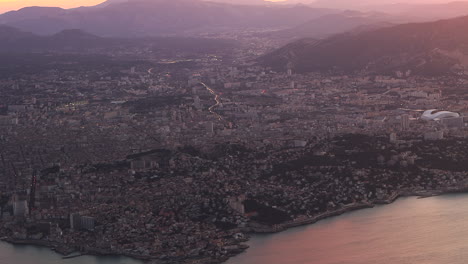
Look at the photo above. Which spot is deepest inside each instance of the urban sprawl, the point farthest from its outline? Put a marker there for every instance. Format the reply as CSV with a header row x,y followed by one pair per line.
x,y
176,160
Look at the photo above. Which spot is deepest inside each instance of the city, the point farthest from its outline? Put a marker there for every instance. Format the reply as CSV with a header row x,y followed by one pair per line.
x,y
180,157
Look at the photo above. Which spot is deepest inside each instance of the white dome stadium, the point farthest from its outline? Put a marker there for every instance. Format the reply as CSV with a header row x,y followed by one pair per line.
x,y
435,114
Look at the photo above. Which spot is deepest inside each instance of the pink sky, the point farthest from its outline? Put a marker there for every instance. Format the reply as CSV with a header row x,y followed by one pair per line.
x,y
7,5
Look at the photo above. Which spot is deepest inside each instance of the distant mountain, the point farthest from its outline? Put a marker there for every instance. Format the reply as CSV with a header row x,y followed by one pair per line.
x,y
71,40
10,34
437,11
241,2
41,20
78,41
158,17
74,35
332,24
295,2
31,13
111,2
423,48
418,10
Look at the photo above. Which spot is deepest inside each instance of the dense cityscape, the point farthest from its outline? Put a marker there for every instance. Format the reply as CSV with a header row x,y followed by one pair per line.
x,y
180,157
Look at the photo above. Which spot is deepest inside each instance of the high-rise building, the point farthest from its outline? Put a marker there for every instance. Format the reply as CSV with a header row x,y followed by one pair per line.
x,y
210,127
292,85
197,102
20,208
20,205
405,122
75,221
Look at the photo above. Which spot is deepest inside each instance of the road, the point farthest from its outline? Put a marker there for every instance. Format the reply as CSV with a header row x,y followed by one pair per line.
x,y
217,99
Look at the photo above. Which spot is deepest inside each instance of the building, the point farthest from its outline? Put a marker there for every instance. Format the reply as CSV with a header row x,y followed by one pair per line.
x,y
20,205
405,122
78,222
20,208
292,85
298,143
17,108
210,127
87,223
197,102
75,221
456,122
436,135
237,203
8,120
434,115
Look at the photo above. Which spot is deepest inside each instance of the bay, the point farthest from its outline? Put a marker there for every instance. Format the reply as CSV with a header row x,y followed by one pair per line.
x,y
430,231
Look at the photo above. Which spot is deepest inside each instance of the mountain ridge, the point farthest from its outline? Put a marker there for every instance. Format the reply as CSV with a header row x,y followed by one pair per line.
x,y
158,17
79,41
438,47
333,24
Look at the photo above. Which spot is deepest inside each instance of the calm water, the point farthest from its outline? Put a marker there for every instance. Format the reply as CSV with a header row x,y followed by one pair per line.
x,y
10,254
409,231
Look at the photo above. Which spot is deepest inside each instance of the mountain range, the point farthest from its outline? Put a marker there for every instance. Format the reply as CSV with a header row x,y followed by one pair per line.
x,y
78,41
418,10
332,24
415,10
430,48
119,18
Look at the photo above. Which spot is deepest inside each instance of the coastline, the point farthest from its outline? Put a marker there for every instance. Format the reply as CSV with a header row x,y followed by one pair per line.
x,y
257,228
253,228
66,251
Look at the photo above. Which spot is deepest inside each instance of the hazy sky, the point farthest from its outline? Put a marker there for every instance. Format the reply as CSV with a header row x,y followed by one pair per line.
x,y
7,5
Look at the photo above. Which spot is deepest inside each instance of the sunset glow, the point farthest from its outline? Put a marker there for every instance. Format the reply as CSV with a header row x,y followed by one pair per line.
x,y
233,131
8,5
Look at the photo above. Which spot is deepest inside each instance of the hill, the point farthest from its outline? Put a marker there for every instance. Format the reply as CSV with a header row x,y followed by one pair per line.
x,y
79,41
333,24
439,47
418,10
158,17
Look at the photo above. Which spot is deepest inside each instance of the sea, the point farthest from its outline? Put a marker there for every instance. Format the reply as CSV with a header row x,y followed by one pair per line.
x,y
410,231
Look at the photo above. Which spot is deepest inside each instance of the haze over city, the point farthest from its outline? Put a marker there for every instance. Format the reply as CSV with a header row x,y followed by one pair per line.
x,y
233,131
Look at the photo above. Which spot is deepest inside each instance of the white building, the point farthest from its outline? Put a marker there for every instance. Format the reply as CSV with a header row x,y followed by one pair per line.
x,y
434,114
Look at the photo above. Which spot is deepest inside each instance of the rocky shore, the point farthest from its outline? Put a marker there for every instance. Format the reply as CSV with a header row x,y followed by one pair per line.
x,y
259,228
